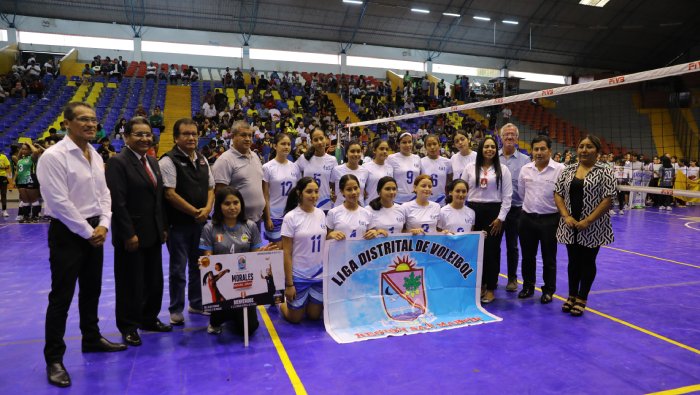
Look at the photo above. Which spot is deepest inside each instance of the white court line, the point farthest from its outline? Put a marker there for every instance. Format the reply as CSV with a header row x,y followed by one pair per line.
x,y
687,225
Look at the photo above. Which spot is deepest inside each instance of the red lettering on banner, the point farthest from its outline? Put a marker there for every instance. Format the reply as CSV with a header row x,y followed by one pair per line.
x,y
616,80
694,66
498,100
547,92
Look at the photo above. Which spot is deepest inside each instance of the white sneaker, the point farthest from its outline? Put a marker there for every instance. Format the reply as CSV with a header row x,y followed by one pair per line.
x,y
627,206
622,212
669,208
19,218
214,330
5,214
612,212
662,208
192,310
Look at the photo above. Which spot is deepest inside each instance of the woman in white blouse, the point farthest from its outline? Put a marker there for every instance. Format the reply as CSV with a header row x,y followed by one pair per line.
x,y
489,195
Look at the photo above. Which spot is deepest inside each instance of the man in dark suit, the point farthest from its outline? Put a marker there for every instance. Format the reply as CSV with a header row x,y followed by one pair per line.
x,y
139,230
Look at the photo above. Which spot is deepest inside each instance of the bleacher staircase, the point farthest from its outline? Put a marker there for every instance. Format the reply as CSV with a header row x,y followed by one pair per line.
x,y
177,105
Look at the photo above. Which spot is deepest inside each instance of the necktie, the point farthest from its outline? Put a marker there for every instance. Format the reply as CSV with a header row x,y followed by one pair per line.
x,y
148,171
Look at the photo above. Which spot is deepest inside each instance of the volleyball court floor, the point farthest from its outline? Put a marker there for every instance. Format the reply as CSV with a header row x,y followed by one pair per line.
x,y
640,335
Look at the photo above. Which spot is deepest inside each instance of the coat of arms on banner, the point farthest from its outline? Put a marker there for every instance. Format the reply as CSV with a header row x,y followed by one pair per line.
x,y
403,290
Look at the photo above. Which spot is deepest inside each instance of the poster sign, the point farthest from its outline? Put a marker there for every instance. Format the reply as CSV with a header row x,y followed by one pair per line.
x,y
235,281
402,285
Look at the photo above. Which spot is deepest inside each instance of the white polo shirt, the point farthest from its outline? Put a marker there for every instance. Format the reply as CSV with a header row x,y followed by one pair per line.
x,y
537,187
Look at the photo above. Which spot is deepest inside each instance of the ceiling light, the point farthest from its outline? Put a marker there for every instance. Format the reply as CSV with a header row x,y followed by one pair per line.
x,y
451,14
510,22
594,3
352,1
482,18
420,10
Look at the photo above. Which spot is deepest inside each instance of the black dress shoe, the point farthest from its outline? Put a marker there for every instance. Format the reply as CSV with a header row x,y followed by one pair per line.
x,y
132,338
102,345
157,326
546,298
57,374
526,292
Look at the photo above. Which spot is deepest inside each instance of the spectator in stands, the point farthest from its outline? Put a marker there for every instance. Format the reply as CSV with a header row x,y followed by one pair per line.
x,y
106,150
87,74
119,129
151,71
174,75
141,112
441,88
53,137
18,91
263,83
50,68
100,133
156,119
3,94
117,69
220,100
227,78
33,70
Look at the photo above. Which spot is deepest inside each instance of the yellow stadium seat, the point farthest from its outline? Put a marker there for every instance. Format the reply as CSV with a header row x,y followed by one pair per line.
x,y
276,95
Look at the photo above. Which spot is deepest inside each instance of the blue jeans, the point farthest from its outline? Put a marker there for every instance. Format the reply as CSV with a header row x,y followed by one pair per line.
x,y
183,245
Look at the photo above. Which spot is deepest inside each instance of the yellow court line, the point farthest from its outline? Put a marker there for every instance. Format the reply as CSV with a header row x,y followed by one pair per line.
x,y
652,256
288,367
678,391
625,323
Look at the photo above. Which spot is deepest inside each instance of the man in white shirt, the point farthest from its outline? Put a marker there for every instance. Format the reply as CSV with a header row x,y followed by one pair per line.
x,y
72,182
539,218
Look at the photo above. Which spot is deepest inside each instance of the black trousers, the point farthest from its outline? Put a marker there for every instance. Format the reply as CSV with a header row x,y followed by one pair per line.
x,y
510,228
72,259
541,230
217,318
138,281
485,214
582,269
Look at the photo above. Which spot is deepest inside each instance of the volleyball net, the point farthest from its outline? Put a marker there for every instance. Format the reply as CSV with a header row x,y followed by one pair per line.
x,y
648,114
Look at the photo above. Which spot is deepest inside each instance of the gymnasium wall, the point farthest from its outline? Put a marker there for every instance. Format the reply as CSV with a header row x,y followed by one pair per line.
x,y
60,26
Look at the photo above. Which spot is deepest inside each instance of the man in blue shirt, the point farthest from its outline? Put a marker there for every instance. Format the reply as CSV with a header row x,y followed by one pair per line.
x,y
514,160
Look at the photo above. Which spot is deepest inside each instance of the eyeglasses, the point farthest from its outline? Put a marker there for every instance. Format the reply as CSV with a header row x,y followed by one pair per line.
x,y
142,135
86,120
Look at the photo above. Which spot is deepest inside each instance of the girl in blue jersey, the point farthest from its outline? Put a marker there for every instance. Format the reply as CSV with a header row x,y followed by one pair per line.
x,y
437,167
406,167
349,220
279,176
352,166
303,238
386,217
317,164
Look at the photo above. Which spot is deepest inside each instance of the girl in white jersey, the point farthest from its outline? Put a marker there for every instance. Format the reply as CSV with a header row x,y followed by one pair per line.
x,y
406,167
351,166
279,177
421,214
455,216
437,167
317,164
465,156
386,217
303,237
349,220
377,168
